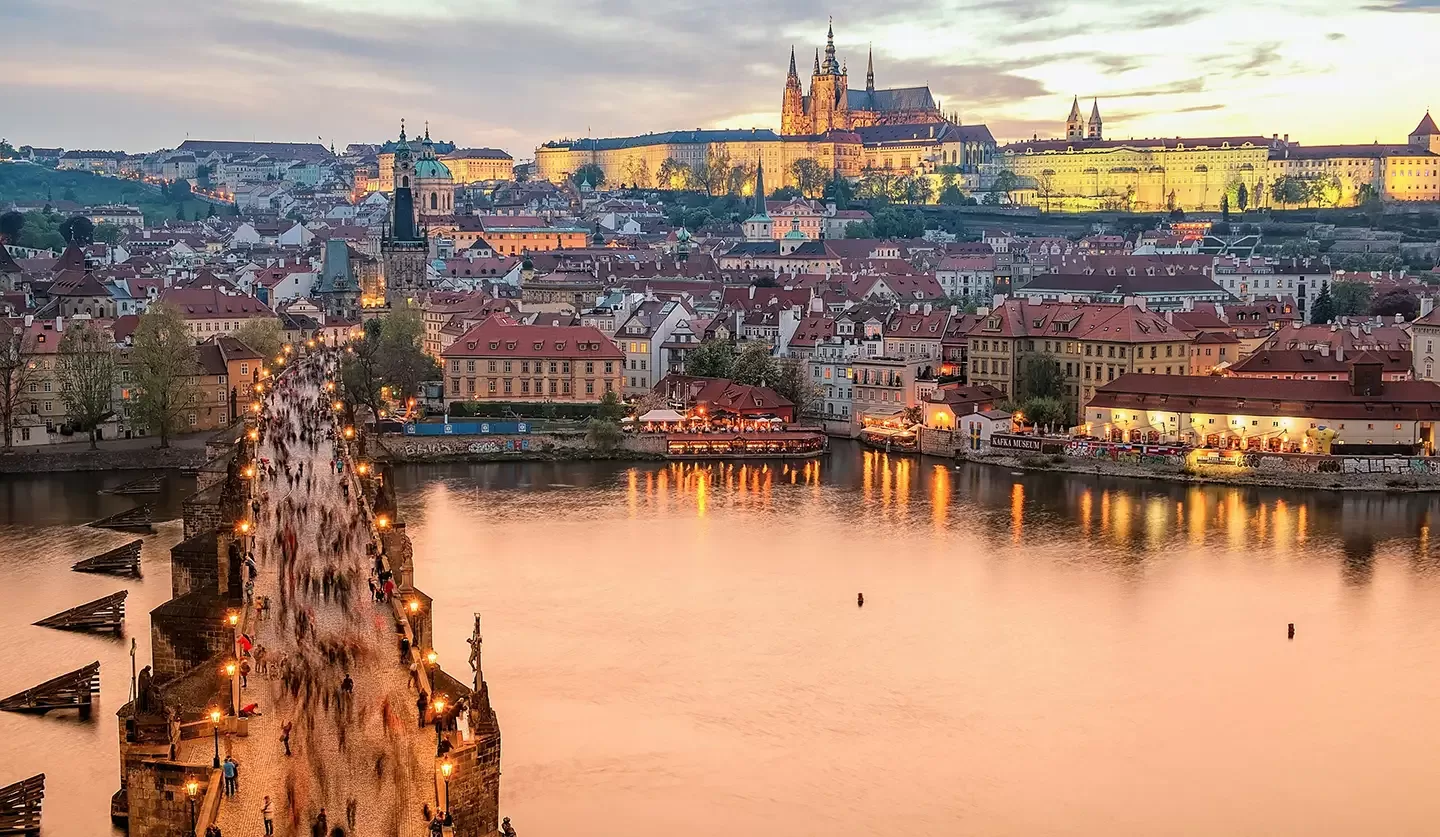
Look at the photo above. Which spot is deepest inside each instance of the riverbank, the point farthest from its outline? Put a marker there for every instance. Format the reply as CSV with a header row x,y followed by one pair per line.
x,y
185,454
575,446
1236,475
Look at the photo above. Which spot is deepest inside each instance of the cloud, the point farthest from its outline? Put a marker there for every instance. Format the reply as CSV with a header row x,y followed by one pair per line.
x,y
1335,36
1176,88
1405,6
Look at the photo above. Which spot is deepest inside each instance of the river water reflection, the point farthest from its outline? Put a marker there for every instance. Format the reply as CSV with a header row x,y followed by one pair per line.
x,y
677,648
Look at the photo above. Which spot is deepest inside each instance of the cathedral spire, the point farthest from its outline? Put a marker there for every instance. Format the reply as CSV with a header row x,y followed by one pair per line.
x,y
794,76
817,61
832,67
870,71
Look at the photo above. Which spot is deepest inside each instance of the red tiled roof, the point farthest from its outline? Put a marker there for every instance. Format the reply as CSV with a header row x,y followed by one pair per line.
x,y
199,303
1397,400
500,336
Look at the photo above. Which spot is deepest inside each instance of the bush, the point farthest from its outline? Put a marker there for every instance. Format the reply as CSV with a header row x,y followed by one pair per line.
x,y
522,409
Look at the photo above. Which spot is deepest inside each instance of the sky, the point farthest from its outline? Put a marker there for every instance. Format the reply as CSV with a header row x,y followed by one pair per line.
x,y
139,75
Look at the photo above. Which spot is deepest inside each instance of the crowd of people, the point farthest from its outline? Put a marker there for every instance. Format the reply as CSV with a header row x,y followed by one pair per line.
x,y
319,654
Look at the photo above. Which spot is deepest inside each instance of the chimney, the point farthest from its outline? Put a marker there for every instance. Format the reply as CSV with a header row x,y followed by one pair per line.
x,y
914,308
928,308
1324,349
1367,378
29,320
1355,331
752,291
1427,304
1340,352
954,309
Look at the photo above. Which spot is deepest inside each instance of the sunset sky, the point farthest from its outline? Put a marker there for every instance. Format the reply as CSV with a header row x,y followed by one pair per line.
x,y
142,74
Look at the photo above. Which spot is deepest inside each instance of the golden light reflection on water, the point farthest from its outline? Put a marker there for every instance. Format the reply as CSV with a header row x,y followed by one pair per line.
x,y
715,607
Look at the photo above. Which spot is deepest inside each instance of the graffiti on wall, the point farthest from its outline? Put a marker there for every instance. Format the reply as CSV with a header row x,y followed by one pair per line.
x,y
462,447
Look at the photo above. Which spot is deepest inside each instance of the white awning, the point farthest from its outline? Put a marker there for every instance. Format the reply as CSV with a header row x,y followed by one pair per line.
x,y
662,416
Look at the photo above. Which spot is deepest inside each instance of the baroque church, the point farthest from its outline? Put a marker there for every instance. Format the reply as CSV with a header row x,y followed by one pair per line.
x,y
404,248
832,106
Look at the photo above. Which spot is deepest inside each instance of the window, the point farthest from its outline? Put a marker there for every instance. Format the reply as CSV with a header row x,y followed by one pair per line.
x,y
509,387
191,420
244,369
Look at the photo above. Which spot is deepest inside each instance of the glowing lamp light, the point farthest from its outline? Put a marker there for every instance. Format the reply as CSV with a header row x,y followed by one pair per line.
x,y
337,406
431,657
215,716
249,472
446,768
286,349
363,468
192,787
230,669
254,435
233,617
329,386
243,527
310,344
414,606
382,522
439,705
410,402
384,413
349,432
255,407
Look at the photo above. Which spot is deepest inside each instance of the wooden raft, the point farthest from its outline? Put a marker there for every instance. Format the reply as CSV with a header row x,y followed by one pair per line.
x,y
122,560
138,519
105,614
143,485
20,806
72,690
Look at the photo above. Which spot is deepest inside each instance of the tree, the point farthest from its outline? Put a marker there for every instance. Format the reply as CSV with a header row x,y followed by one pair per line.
x,y
261,334
914,189
165,362
611,408
785,193
673,174
7,151
912,416
179,191
1396,301
792,381
714,174
1300,248
360,370
404,363
1322,310
637,172
840,192
1242,197
859,229
17,371
86,367
1289,191
1045,187
713,358
604,435
1050,412
107,233
741,176
1006,183
1043,377
591,172
78,230
754,365
1351,298
210,213
952,196
810,176
11,223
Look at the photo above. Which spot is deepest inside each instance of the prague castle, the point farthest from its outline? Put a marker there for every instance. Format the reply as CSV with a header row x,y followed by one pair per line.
x,y
831,104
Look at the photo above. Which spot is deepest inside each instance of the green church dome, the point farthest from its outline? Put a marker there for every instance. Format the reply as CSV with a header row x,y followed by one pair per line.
x,y
431,169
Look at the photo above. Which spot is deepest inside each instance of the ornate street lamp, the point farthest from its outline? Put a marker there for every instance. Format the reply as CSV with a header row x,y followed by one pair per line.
x,y
446,768
192,787
215,717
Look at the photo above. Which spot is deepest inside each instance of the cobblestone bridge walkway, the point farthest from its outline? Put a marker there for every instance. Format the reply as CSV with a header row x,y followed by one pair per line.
x,y
356,751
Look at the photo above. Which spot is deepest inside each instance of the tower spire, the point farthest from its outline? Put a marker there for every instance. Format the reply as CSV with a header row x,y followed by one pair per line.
x,y
402,129
832,66
760,187
793,75
870,71
817,61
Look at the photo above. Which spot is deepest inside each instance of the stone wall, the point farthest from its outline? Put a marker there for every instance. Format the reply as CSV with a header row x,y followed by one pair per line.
x,y
537,446
937,442
186,632
201,511
159,805
39,460
475,788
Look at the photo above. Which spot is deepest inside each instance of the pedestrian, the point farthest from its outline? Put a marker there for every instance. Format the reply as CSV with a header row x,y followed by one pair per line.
x,y
285,737
230,770
244,674
350,806
321,821
420,704
266,814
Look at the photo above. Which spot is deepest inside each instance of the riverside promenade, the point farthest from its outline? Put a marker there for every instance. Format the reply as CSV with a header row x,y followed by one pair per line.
x,y
281,630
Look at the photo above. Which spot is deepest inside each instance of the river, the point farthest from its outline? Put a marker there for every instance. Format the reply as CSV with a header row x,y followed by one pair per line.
x,y
677,649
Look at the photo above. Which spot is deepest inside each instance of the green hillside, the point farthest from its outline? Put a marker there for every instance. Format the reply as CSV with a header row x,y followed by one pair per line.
x,y
21,182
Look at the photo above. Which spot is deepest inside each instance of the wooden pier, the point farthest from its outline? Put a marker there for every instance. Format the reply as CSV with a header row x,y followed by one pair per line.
x,y
138,519
143,485
104,614
20,806
72,690
122,560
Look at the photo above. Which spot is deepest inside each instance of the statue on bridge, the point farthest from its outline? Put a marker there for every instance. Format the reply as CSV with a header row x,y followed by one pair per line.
x,y
474,643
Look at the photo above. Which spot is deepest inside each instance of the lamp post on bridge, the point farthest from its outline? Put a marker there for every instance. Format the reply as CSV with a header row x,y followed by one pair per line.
x,y
446,768
215,716
232,669
192,787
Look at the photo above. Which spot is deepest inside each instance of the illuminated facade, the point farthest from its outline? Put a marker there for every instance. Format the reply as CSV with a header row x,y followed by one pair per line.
x,y
641,160
1404,173
404,248
832,106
